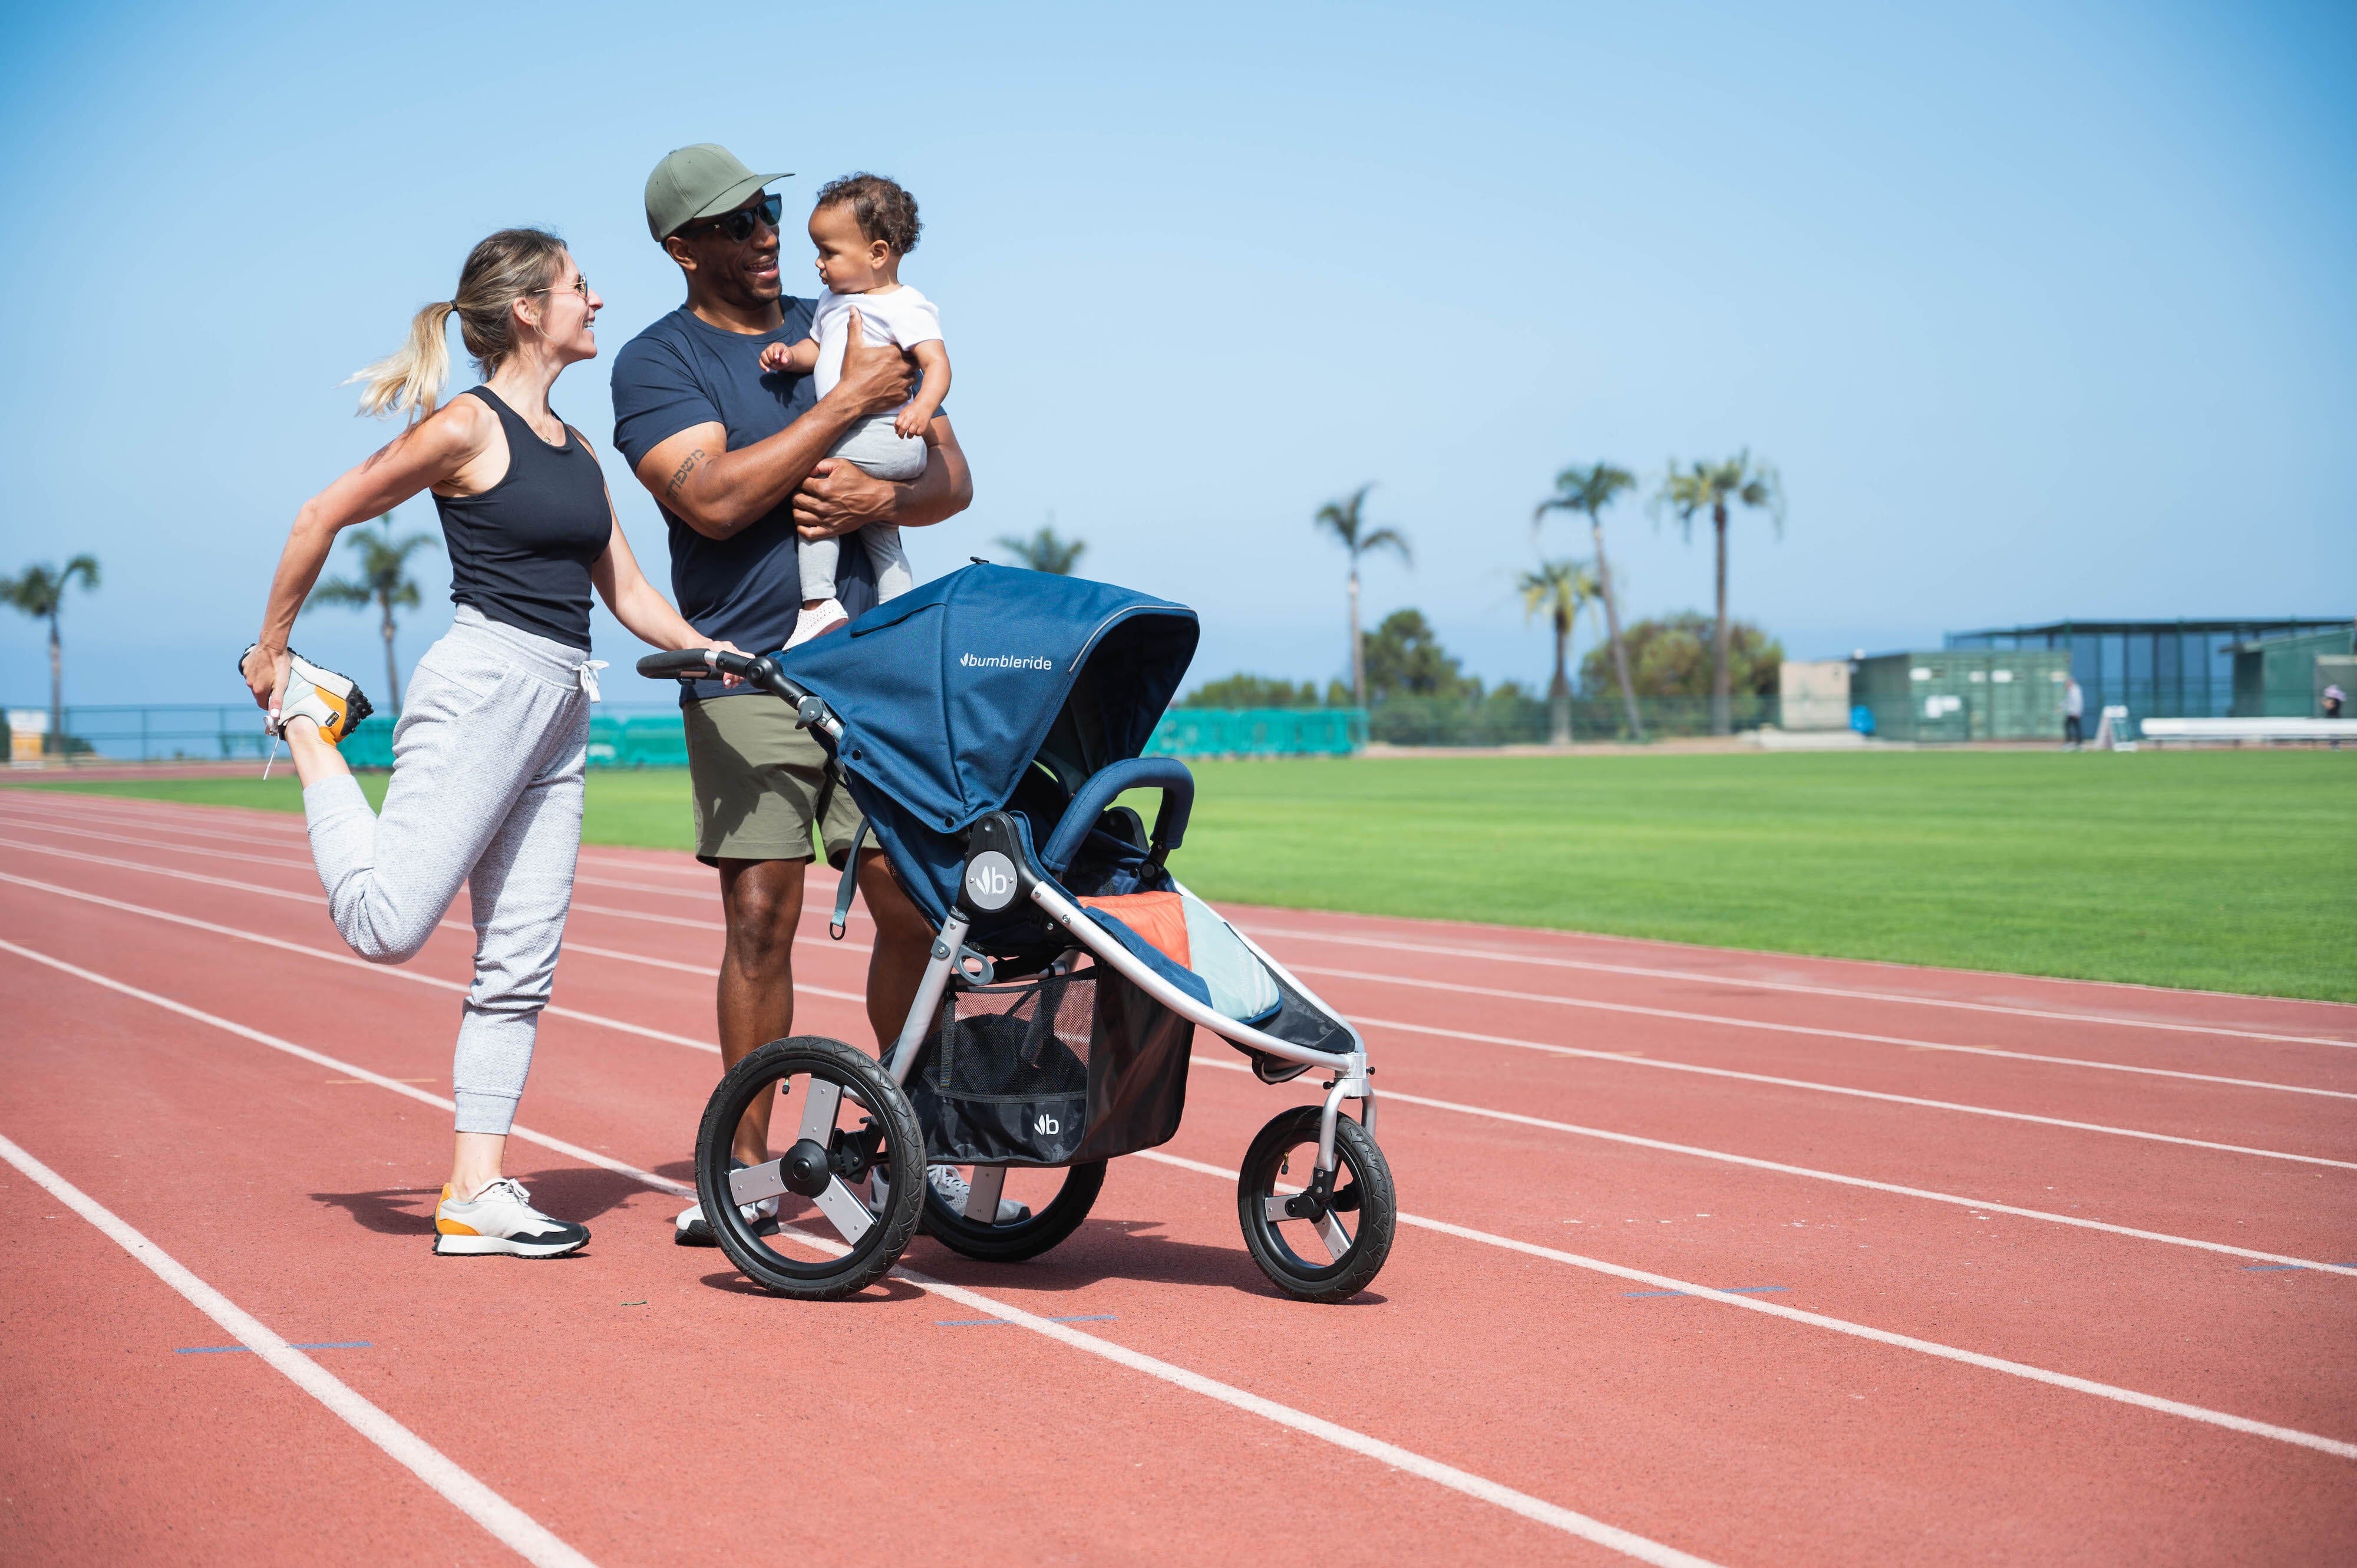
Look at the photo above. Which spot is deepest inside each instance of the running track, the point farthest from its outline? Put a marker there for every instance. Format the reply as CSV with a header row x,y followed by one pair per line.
x,y
1713,1256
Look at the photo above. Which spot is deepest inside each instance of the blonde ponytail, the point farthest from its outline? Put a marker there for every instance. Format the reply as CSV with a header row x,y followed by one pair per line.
x,y
413,378
506,267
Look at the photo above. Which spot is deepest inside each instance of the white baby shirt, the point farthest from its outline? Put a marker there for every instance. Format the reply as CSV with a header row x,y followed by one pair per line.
x,y
903,318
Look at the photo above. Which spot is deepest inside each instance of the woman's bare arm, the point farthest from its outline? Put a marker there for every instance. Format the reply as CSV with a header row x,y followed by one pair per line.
x,y
436,452
637,604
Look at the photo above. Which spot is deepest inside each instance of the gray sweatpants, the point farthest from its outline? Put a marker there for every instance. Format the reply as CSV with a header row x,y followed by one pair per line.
x,y
487,767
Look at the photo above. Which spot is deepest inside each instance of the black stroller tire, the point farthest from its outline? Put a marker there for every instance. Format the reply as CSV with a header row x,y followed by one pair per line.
x,y
1027,1237
1361,1170
858,1076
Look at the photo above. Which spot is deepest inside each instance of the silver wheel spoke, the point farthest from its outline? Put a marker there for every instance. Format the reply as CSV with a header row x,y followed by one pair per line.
x,y
844,1211
818,1111
1273,1208
1331,1235
758,1182
981,1194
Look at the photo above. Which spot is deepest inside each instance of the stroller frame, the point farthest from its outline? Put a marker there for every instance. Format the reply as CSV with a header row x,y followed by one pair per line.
x,y
980,869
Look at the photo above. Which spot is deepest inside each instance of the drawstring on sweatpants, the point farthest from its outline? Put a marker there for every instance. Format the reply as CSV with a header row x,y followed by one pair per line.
x,y
588,675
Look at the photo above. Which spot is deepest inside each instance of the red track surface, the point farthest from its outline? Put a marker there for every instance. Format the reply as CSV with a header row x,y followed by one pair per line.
x,y
1947,1372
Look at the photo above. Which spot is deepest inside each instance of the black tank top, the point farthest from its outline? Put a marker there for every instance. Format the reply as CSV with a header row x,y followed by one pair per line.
x,y
520,552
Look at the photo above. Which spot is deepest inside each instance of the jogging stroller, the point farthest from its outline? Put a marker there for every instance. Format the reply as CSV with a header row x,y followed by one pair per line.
x,y
987,724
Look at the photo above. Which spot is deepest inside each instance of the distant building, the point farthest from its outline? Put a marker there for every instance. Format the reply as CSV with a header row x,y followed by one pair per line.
x,y
2162,669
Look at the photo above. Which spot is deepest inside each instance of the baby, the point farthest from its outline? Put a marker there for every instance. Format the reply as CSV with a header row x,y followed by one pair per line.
x,y
862,226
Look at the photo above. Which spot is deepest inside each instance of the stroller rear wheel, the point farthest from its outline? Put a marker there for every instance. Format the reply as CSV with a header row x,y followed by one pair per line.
x,y
1320,1245
1026,1238
810,1222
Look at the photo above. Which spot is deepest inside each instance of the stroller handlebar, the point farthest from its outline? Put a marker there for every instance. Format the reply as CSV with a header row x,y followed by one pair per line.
x,y
761,673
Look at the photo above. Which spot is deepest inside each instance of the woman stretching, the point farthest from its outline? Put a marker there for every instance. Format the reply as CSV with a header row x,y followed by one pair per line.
x,y
488,755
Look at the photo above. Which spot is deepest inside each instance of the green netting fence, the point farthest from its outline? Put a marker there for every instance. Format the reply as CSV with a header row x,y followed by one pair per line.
x,y
625,734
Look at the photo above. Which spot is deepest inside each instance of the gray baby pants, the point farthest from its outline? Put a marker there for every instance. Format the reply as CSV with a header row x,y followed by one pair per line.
x,y
487,768
883,453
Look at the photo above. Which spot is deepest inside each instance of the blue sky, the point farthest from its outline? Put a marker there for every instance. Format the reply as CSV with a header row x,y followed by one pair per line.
x,y
2042,310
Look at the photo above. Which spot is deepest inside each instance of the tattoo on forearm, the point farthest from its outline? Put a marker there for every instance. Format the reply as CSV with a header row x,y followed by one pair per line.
x,y
685,469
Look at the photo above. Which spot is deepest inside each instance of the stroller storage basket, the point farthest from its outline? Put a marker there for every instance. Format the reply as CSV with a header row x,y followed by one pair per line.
x,y
1053,1070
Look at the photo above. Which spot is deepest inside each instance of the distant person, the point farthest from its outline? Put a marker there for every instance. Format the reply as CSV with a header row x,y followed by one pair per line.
x,y
735,455
862,226
488,756
2075,710
2333,698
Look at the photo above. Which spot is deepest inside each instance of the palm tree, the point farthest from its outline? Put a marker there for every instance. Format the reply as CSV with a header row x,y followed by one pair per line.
x,y
1563,589
41,591
1044,552
1708,487
1590,490
384,582
1345,519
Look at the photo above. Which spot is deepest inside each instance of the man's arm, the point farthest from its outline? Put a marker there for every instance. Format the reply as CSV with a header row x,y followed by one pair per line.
x,y
839,498
718,492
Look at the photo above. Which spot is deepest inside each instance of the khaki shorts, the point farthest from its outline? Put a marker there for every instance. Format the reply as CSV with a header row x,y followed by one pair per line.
x,y
758,780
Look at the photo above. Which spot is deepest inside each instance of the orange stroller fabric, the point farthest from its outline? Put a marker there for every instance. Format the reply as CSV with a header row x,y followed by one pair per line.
x,y
1158,917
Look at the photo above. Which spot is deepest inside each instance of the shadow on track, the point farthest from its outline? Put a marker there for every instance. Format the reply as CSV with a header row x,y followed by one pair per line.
x,y
1111,1250
573,1193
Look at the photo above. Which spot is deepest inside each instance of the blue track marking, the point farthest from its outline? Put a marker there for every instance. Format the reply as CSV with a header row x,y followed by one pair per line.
x,y
1001,1322
1730,1289
247,1350
2286,1268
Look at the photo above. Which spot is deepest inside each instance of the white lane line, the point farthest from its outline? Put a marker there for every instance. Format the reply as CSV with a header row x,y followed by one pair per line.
x,y
1817,1320
1704,977
514,1529
1479,1487
1633,1140
1622,1059
2331,1445
391,970
1721,1020
1626,1059
40,824
1715,1019
177,816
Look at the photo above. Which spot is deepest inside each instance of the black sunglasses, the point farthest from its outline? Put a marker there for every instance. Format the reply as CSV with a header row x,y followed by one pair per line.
x,y
740,224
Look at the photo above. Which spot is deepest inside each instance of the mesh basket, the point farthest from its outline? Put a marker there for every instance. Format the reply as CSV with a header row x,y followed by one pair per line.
x,y
1054,1070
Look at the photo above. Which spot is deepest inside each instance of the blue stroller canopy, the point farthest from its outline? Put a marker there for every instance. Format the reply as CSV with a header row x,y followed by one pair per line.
x,y
947,694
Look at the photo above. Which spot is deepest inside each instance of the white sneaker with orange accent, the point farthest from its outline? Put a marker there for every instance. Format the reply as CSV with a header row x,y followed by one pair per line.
x,y
501,1219
332,702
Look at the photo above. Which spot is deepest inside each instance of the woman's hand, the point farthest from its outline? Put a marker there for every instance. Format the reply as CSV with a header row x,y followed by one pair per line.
x,y
725,680
265,670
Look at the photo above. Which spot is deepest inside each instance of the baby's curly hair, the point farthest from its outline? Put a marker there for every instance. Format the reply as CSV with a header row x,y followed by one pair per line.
x,y
883,211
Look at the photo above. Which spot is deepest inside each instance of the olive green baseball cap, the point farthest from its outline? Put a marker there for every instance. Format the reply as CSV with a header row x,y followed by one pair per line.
x,y
701,181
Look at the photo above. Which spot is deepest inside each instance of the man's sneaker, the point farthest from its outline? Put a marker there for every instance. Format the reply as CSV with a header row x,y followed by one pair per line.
x,y
332,702
501,1218
817,621
953,1191
691,1229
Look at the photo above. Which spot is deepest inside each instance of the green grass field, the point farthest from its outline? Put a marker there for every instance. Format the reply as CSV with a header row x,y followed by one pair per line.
x,y
2225,871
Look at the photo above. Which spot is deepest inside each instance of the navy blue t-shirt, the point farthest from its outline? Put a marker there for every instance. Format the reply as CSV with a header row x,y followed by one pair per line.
x,y
681,372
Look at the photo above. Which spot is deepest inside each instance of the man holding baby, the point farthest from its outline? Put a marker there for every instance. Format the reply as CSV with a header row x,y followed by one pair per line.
x,y
736,455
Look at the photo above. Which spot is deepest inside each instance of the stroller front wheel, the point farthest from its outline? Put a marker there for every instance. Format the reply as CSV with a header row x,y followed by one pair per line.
x,y
811,1221
1026,1238
1320,1246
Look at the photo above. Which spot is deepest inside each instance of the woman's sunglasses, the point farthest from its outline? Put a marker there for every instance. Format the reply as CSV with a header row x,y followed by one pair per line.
x,y
580,285
739,225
